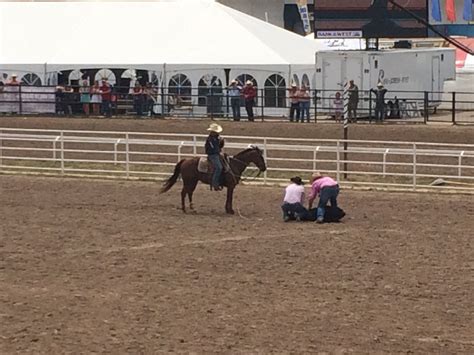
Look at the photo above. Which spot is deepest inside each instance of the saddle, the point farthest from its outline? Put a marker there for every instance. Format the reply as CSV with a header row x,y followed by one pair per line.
x,y
206,167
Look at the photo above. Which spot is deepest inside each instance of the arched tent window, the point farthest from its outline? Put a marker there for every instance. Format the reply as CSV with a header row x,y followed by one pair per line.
x,y
106,74
129,74
275,91
305,81
295,80
180,85
242,79
31,79
75,77
208,85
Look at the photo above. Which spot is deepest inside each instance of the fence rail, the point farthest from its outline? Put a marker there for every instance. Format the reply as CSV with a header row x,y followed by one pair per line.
x,y
405,165
270,103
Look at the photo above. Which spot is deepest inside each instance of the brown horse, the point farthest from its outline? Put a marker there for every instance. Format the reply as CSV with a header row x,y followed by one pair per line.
x,y
188,169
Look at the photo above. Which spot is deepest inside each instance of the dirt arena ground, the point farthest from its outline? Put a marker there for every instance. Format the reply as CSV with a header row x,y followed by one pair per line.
x,y
90,266
98,266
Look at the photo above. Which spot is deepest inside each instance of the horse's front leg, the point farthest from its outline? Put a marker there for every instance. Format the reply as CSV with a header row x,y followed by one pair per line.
x,y
228,203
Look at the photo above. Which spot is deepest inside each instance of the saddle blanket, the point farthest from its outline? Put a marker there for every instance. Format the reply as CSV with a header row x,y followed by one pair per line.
x,y
205,166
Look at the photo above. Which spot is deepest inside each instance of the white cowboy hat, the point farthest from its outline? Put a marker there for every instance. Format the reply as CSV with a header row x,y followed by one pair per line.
x,y
293,85
248,82
380,85
214,127
14,75
316,175
234,81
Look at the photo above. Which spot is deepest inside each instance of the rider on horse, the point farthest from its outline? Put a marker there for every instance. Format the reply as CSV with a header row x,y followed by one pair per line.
x,y
214,144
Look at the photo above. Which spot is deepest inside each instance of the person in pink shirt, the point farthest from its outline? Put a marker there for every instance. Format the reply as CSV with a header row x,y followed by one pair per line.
x,y
293,201
327,189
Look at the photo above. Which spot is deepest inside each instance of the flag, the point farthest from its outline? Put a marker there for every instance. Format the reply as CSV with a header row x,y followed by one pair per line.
x,y
436,10
451,10
467,13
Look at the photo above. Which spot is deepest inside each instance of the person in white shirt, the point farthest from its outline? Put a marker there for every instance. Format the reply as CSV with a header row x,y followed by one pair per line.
x,y
293,202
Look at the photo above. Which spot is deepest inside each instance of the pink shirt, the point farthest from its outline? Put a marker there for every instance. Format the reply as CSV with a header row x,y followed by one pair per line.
x,y
294,194
319,184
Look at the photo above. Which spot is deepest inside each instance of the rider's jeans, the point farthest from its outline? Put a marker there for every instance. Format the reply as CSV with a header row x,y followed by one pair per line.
x,y
216,162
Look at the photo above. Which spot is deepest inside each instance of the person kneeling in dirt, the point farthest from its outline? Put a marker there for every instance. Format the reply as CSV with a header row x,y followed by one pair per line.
x,y
327,189
293,201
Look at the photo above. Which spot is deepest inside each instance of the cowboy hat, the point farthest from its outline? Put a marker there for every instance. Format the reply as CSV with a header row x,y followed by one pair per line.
x,y
214,127
316,175
234,81
297,180
248,82
293,85
14,75
380,85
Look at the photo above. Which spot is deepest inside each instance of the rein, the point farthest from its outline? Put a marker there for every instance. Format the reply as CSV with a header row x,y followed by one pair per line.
x,y
240,176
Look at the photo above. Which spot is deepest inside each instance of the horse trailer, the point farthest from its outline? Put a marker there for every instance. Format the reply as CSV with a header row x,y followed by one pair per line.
x,y
406,73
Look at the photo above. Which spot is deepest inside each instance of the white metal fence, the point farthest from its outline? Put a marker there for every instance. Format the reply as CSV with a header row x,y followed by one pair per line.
x,y
391,164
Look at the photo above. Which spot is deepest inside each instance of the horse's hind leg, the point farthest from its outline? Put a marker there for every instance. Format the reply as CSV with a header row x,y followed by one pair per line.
x,y
183,199
191,189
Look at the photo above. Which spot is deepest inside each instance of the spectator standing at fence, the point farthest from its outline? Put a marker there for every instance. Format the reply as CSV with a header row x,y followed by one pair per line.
x,y
85,91
338,107
379,102
68,100
353,92
13,81
327,189
234,92
304,100
96,98
294,103
138,98
106,92
150,98
249,93
59,96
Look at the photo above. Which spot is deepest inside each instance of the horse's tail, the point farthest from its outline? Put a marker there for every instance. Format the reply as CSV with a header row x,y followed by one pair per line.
x,y
172,180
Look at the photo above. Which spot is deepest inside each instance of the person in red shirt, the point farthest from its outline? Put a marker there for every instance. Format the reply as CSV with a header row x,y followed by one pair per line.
x,y
249,93
106,92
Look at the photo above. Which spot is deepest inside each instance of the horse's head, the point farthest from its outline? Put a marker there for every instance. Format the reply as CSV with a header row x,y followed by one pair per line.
x,y
255,155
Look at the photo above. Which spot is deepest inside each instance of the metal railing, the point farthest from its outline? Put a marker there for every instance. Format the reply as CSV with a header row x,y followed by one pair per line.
x,y
405,165
271,103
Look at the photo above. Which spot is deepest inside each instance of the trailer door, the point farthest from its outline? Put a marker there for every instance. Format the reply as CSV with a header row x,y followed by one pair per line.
x,y
333,68
435,79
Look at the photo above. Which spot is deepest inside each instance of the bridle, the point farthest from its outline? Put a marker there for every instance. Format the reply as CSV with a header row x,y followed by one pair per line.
x,y
244,164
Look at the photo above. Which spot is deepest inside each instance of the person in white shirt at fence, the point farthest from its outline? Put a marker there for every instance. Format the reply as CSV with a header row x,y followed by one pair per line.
x,y
234,92
96,98
293,202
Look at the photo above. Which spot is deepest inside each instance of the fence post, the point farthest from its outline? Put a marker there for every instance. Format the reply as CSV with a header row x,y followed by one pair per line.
x,y
1,150
453,109
370,106
62,153
127,155
194,145
20,104
338,161
414,166
265,157
315,106
425,107
460,164
384,168
262,104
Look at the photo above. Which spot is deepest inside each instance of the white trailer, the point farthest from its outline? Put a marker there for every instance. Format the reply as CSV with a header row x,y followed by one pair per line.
x,y
405,73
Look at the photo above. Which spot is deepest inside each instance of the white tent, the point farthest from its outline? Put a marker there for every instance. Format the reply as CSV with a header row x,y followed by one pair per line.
x,y
195,37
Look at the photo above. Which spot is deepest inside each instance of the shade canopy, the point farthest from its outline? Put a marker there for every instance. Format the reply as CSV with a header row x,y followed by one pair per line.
x,y
137,33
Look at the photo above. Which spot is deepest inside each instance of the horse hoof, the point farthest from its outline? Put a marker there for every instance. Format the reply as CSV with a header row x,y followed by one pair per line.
x,y
230,212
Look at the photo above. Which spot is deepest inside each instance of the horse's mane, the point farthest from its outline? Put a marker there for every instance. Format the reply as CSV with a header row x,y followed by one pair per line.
x,y
248,150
